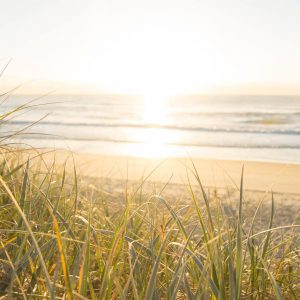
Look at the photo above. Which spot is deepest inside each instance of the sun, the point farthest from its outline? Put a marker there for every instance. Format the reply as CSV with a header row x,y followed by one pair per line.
x,y
154,109
155,139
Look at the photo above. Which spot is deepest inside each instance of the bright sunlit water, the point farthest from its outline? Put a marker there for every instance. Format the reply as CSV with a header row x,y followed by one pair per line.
x,y
227,127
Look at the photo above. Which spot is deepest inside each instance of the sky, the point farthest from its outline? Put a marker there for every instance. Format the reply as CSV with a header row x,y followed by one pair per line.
x,y
154,46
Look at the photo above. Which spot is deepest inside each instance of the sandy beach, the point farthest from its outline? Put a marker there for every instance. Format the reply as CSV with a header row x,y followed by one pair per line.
x,y
170,177
258,176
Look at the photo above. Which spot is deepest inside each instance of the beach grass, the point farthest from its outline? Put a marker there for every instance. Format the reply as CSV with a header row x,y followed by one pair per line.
x,y
64,236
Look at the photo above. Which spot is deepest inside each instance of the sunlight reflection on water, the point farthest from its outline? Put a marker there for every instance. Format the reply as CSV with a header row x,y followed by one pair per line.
x,y
154,142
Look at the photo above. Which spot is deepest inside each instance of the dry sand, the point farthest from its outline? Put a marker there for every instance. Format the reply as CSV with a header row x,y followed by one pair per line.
x,y
258,176
170,177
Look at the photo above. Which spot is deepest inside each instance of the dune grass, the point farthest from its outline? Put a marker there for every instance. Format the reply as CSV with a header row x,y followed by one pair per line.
x,y
63,238
67,237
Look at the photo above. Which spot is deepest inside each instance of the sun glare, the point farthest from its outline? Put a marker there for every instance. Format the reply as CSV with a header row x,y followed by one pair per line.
x,y
154,109
154,139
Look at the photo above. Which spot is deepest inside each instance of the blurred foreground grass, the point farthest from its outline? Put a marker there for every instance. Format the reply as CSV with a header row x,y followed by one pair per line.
x,y
66,237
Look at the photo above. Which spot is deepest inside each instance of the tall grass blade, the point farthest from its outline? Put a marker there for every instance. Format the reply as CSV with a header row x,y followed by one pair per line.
x,y
62,257
152,280
15,202
84,270
239,246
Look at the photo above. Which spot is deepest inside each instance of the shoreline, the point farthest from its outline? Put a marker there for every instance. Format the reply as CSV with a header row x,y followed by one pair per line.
x,y
288,155
258,176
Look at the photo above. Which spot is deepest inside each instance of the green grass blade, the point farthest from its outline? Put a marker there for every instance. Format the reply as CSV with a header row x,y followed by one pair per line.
x,y
152,280
239,246
62,257
84,270
41,259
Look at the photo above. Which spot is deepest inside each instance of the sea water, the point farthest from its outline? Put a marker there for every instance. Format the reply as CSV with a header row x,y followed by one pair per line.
x,y
262,128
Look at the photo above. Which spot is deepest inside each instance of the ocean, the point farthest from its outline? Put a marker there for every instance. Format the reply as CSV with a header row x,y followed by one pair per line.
x,y
260,128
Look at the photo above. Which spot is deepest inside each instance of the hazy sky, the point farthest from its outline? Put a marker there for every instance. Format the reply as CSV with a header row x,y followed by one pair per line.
x,y
140,46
